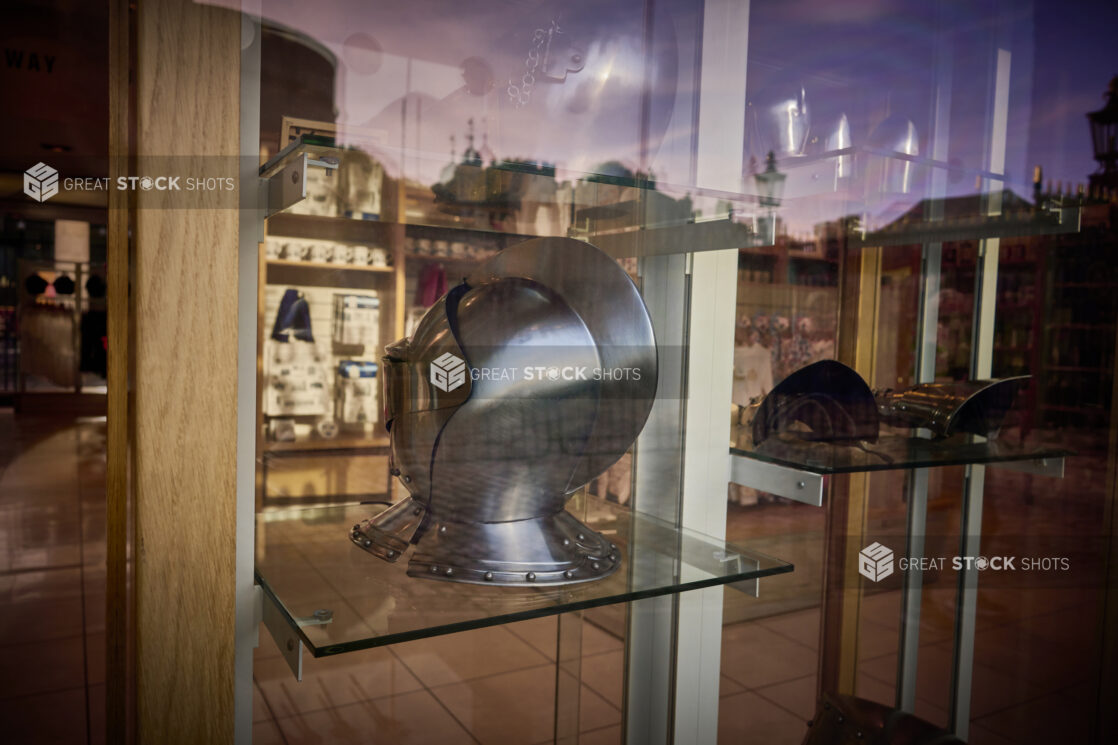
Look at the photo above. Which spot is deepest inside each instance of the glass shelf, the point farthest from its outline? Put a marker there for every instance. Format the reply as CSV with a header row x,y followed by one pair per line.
x,y
306,564
894,449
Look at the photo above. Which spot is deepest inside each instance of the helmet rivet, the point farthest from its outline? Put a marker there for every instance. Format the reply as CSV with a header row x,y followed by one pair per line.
x,y
596,566
417,510
449,571
434,569
581,537
442,528
489,576
531,576
568,574
391,554
367,543
566,541
407,479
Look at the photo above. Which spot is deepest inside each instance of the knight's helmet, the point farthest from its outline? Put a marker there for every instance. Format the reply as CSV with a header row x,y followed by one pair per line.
x,y
519,386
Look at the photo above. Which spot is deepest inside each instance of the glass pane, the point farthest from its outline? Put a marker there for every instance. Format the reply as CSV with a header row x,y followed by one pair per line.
x,y
302,563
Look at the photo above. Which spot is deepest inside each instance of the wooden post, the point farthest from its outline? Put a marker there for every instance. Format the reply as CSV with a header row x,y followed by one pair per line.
x,y
118,607
184,355
859,312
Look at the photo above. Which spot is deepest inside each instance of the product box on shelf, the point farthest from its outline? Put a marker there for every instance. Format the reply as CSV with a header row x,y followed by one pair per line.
x,y
297,381
357,393
357,320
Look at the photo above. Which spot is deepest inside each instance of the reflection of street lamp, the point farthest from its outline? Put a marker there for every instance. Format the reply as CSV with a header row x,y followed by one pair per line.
x,y
770,189
1104,139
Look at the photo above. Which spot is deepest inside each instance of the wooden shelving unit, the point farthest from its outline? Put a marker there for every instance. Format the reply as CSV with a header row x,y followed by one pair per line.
x,y
314,265
391,283
337,443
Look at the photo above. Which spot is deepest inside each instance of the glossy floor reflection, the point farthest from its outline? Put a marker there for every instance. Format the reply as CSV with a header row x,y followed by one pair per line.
x,y
52,579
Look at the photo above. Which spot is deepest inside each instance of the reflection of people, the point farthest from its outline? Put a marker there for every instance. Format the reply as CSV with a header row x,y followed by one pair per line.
x,y
753,371
615,485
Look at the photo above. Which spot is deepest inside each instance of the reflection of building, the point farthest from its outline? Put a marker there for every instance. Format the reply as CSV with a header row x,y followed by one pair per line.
x,y
499,195
1056,303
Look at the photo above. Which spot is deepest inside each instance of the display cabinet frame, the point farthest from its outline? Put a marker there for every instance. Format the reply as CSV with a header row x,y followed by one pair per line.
x,y
682,459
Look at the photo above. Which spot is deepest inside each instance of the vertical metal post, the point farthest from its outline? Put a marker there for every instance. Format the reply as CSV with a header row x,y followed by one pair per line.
x,y
706,476
917,493
657,488
682,465
927,336
706,467
982,351
251,233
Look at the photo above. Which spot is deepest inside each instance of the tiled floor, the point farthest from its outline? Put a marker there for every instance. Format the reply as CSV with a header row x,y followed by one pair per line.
x,y
52,579
498,685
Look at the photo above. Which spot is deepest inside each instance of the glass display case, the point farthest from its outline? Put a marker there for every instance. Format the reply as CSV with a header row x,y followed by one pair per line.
x,y
774,205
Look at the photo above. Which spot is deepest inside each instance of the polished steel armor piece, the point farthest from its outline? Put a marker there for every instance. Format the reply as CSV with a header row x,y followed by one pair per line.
x,y
829,402
974,406
519,386
824,401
